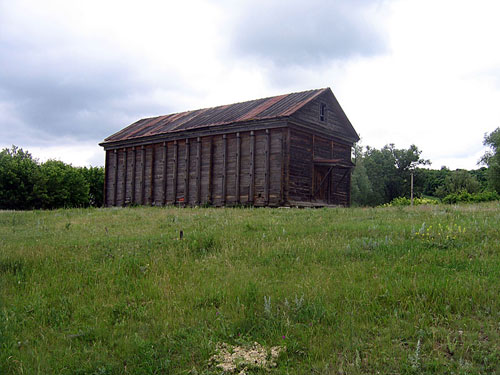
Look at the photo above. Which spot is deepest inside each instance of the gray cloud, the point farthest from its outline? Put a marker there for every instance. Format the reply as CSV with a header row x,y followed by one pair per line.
x,y
68,96
310,32
78,91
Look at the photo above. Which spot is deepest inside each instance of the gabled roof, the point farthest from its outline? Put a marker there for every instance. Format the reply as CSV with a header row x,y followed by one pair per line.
x,y
260,109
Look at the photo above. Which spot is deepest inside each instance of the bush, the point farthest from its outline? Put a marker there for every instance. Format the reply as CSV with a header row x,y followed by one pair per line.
x,y
403,201
26,184
465,197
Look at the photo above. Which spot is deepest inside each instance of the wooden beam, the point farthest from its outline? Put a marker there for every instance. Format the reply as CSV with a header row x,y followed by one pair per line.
x,y
198,170
252,167
313,194
174,174
106,176
115,184
224,168
282,178
288,141
186,173
268,166
152,178
124,176
210,170
132,198
238,166
164,174
143,174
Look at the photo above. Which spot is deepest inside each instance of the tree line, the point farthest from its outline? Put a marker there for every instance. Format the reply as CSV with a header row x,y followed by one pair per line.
x,y
26,184
380,176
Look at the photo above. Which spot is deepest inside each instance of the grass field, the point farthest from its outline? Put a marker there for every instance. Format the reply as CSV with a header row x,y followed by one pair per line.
x,y
347,291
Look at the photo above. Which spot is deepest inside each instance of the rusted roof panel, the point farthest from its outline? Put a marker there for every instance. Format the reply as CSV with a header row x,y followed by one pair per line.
x,y
259,109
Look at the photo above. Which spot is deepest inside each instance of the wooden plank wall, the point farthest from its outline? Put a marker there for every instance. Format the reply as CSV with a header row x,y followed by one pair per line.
x,y
304,147
236,168
301,166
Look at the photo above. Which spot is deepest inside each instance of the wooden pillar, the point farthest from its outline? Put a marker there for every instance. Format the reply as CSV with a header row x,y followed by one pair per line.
x,y
152,178
238,166
115,183
224,168
143,174
106,176
252,167
268,166
282,178
312,170
210,170
174,174
186,173
164,175
288,141
198,170
132,198
124,176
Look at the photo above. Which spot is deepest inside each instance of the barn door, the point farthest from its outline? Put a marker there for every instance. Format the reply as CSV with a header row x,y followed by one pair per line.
x,y
322,177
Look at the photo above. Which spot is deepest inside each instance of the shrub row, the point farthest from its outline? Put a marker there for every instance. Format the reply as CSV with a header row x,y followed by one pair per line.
x,y
26,183
465,197
461,197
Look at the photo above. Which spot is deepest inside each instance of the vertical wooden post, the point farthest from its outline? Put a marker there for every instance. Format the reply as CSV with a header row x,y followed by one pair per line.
x,y
210,170
174,174
106,176
164,175
312,170
132,198
268,166
411,189
282,178
143,174
152,178
288,141
186,173
124,175
115,184
238,166
252,167
224,168
198,170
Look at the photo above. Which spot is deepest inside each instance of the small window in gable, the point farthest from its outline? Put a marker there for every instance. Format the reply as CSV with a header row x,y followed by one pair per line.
x,y
322,112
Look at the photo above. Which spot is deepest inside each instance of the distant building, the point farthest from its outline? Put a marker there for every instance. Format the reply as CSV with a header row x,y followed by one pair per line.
x,y
287,150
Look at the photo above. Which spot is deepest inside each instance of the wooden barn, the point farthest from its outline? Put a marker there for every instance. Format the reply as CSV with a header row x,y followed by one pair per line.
x,y
287,150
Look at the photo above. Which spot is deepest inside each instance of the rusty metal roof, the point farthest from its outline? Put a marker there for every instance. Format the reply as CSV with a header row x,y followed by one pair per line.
x,y
259,109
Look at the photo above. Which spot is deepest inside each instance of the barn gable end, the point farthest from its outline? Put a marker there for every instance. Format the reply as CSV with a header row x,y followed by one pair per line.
x,y
291,149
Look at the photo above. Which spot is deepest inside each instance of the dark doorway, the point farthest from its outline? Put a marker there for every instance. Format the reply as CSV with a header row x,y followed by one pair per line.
x,y
322,180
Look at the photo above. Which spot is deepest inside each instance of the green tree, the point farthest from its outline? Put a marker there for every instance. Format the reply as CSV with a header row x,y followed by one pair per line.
x,y
95,178
19,179
361,187
63,185
389,171
458,181
492,158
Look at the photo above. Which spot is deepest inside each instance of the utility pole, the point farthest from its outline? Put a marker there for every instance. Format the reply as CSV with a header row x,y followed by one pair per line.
x,y
411,188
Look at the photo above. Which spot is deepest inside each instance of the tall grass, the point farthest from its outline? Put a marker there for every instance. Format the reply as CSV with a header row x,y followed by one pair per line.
x,y
348,291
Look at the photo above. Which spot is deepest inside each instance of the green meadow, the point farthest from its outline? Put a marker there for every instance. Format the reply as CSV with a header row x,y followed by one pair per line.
x,y
390,290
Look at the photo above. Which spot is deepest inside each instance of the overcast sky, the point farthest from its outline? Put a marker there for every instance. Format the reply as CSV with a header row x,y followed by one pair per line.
x,y
423,72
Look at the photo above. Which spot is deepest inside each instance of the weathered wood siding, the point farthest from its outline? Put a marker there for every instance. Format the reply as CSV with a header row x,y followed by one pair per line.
x,y
235,168
304,148
301,166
